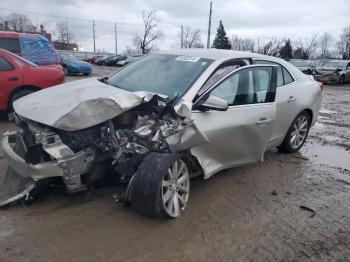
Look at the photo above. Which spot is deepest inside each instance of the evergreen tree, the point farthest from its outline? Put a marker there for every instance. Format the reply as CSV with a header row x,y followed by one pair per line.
x,y
286,51
221,40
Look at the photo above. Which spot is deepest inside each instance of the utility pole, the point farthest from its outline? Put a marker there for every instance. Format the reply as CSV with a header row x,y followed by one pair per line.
x,y
93,34
209,25
67,34
182,36
115,38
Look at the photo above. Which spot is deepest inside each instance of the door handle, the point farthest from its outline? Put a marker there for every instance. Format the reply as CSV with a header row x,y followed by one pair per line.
x,y
291,99
263,122
12,78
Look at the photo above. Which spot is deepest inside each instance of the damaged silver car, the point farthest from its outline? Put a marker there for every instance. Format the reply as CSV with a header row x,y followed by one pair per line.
x,y
158,122
333,72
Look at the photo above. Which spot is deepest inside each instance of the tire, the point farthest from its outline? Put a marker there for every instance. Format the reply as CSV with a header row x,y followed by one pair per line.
x,y
290,145
341,80
66,71
86,74
18,95
152,185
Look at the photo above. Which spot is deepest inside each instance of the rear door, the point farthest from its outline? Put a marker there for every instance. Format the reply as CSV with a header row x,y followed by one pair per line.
x,y
239,135
286,101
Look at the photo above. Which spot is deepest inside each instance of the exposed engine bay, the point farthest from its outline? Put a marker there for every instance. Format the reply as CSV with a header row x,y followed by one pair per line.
x,y
117,145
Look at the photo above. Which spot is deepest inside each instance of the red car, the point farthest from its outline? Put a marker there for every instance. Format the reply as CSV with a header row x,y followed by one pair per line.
x,y
20,77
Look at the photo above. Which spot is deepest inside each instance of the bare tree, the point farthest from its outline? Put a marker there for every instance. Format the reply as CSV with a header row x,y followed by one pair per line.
x,y
64,35
191,38
325,41
308,46
20,23
344,43
242,44
147,41
271,47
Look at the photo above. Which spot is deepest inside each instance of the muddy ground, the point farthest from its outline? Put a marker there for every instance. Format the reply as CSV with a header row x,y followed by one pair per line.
x,y
288,208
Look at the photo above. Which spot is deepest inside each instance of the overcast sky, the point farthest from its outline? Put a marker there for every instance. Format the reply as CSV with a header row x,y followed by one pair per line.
x,y
261,19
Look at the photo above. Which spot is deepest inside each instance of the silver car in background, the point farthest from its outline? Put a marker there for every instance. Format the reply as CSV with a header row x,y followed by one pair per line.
x,y
157,122
333,71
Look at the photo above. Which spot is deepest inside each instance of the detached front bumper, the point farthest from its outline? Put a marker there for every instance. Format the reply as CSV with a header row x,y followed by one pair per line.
x,y
18,164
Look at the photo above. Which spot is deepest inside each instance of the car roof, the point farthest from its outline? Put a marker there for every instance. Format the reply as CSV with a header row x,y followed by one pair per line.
x,y
7,34
214,54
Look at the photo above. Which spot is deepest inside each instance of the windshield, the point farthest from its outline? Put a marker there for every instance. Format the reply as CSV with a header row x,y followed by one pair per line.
x,y
170,75
68,57
339,64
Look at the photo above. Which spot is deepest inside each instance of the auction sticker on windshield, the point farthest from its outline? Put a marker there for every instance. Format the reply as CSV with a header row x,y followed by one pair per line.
x,y
187,58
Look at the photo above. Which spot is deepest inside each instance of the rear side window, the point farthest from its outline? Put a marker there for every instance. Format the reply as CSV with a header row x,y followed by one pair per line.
x,y
5,65
38,49
287,77
283,76
279,70
10,44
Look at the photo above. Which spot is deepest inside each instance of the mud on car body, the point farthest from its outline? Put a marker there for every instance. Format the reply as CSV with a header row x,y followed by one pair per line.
x,y
156,123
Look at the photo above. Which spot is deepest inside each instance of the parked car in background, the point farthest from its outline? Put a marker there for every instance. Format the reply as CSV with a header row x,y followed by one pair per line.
x,y
20,77
92,58
333,71
33,47
305,66
72,65
112,61
127,60
102,60
164,118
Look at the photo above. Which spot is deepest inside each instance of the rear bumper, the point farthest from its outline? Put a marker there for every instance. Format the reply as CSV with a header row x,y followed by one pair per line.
x,y
17,163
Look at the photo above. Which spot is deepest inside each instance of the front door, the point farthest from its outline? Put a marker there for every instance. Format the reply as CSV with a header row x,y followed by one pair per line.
x,y
241,134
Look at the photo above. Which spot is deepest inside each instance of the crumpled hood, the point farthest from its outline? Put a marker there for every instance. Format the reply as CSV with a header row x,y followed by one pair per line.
x,y
78,104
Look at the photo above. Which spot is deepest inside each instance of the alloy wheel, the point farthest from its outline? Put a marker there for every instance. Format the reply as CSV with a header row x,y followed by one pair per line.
x,y
175,188
299,132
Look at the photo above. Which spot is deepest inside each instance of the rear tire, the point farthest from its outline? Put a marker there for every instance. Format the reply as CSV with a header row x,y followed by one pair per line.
x,y
296,134
156,190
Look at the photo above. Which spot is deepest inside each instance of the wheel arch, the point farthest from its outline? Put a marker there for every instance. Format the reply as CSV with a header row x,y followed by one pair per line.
x,y
309,111
18,89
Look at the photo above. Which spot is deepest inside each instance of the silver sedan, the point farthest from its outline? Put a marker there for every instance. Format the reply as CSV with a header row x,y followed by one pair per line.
x,y
157,122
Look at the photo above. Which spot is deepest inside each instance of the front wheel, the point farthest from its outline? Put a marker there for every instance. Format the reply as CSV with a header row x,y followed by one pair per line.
x,y
341,80
296,134
161,186
66,71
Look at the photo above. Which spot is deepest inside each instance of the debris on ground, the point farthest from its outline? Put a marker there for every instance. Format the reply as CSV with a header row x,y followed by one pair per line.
x,y
313,213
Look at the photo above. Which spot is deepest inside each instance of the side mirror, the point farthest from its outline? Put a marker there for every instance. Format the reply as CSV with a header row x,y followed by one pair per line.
x,y
213,103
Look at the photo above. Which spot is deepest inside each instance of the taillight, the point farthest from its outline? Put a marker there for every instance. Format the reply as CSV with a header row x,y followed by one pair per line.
x,y
320,84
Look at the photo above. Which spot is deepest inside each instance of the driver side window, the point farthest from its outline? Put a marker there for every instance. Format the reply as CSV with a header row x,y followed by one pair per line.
x,y
247,86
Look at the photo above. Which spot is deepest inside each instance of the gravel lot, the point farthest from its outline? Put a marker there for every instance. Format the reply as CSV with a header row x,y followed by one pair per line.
x,y
288,208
